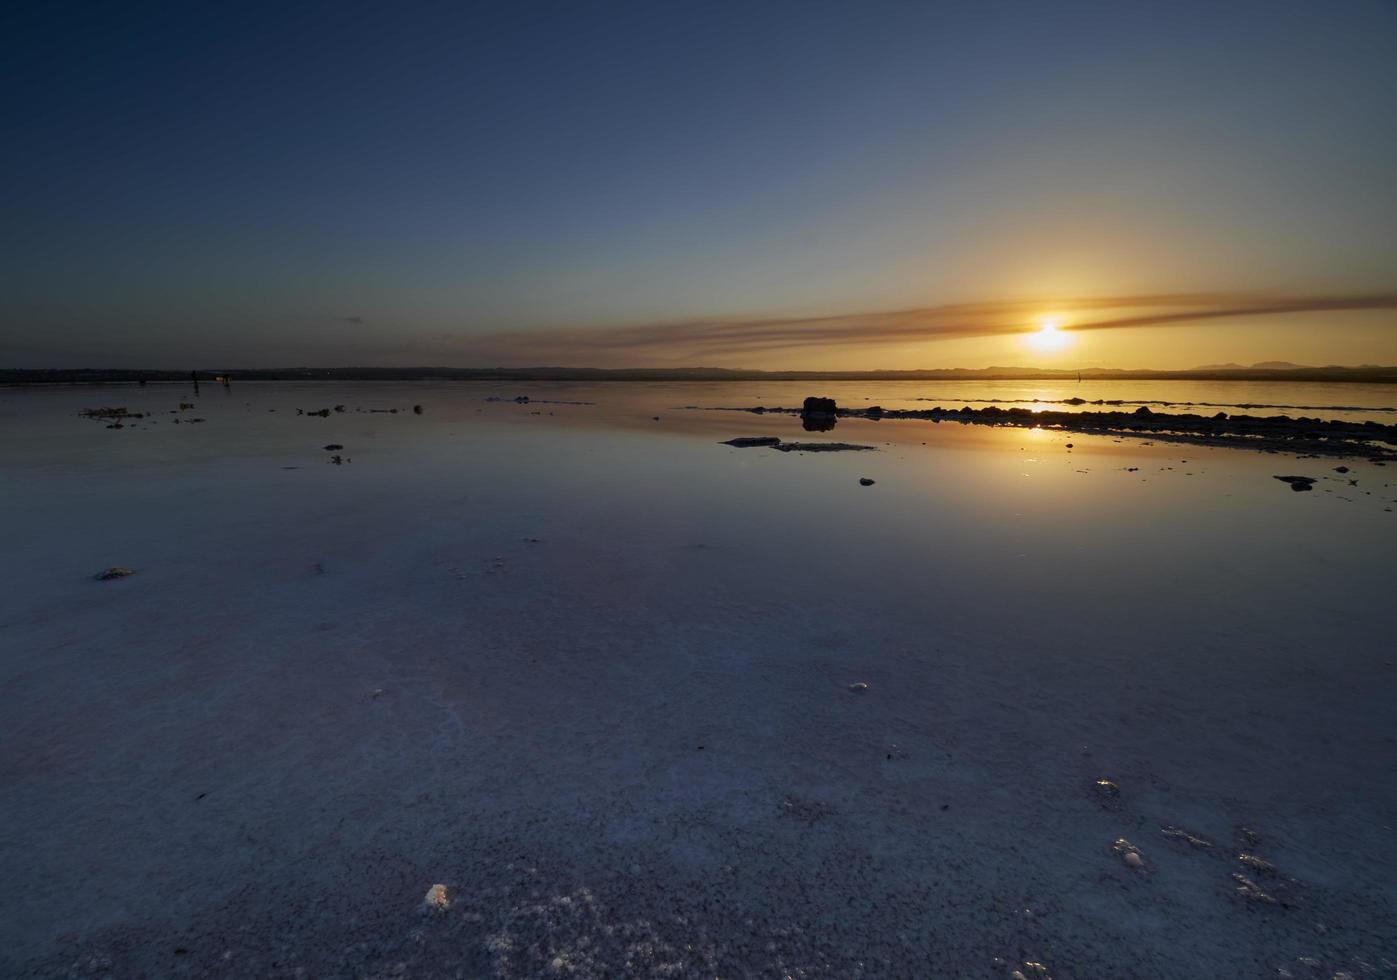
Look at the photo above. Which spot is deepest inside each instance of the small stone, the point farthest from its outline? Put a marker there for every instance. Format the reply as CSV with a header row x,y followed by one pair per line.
x,y
438,899
333,447
1249,889
865,481
1174,833
1128,853
1257,864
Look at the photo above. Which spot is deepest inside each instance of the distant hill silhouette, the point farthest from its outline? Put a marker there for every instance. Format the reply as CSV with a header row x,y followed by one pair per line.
x,y
1258,366
1264,371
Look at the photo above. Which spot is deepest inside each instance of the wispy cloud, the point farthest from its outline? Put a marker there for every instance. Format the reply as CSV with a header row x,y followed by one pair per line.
x,y
691,340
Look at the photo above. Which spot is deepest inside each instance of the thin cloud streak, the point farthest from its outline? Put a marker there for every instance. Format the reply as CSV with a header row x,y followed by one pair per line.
x,y
687,339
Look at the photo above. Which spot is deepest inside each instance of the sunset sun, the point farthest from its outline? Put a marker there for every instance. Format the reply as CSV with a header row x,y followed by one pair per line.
x,y
1048,338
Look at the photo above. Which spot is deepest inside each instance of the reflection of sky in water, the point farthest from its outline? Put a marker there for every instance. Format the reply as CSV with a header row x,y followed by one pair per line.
x,y
1009,501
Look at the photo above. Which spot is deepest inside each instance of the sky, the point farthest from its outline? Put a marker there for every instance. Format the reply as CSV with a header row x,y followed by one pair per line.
x,y
768,185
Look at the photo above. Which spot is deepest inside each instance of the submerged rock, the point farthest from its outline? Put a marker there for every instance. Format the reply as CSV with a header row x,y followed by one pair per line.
x,y
749,442
859,687
116,571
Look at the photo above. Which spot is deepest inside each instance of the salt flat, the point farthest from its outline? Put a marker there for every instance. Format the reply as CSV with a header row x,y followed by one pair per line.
x,y
591,671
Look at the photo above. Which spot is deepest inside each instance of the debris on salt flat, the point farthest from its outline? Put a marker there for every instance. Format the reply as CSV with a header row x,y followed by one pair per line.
x,y
438,899
1128,853
807,811
1174,833
116,571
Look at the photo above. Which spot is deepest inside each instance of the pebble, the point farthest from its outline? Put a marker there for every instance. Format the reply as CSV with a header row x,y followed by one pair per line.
x,y
438,899
1128,853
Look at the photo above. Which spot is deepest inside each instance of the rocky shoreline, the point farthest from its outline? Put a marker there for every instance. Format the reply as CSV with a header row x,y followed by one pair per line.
x,y
1275,433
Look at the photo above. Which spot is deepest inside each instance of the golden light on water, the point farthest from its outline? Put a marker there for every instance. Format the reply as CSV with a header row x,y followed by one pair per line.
x,y
1048,338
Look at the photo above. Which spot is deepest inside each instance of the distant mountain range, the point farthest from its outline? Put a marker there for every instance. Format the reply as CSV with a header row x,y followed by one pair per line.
x,y
1262,371
1258,366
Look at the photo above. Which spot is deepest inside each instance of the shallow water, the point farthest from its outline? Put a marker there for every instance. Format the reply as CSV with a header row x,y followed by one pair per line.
x,y
590,669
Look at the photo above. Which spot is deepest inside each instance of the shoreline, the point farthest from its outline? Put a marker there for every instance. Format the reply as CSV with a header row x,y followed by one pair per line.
x,y
1276,433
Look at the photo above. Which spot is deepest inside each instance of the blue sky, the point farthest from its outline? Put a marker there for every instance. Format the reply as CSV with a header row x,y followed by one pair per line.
x,y
444,182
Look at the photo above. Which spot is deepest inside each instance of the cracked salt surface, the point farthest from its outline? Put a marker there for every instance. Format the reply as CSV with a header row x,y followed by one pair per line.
x,y
520,724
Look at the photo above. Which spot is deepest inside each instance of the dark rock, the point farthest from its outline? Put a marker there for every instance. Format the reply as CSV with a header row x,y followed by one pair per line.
x,y
865,481
749,442
822,447
819,406
116,571
1341,469
417,410
332,447
1143,410
1298,483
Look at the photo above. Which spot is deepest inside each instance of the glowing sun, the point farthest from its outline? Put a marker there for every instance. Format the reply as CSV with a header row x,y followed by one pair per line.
x,y
1048,338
